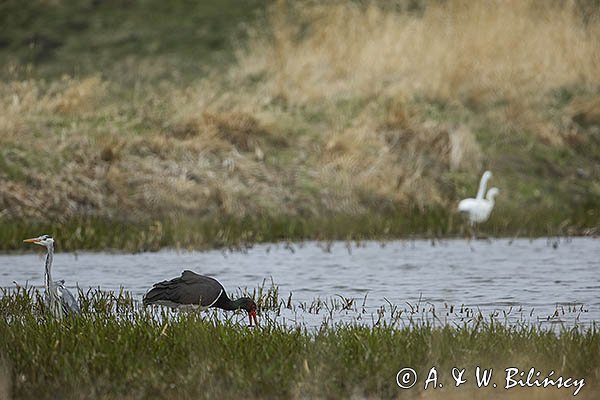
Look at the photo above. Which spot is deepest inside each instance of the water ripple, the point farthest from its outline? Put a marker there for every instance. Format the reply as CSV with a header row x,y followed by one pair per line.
x,y
489,275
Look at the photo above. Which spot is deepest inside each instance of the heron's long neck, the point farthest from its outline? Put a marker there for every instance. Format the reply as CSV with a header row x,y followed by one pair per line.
x,y
48,274
482,185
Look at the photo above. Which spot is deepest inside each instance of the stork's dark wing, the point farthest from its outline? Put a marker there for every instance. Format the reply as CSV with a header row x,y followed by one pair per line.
x,y
189,288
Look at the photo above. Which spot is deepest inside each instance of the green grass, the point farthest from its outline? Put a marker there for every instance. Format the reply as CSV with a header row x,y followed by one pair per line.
x,y
238,233
79,38
116,350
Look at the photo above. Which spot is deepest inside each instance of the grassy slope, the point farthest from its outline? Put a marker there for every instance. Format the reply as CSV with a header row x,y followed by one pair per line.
x,y
157,137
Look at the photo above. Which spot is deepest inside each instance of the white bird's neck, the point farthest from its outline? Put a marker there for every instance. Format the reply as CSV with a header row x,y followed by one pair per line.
x,y
482,185
48,266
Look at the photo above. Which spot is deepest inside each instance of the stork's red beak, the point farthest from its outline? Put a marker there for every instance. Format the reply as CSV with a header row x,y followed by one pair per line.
x,y
252,316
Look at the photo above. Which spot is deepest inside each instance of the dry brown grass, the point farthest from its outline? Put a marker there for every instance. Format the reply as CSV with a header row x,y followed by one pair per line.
x,y
464,50
243,142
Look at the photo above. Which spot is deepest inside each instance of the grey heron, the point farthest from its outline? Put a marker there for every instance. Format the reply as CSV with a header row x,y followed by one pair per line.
x,y
58,298
194,290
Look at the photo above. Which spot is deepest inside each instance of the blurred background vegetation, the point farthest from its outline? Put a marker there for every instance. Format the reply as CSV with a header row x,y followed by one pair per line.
x,y
141,124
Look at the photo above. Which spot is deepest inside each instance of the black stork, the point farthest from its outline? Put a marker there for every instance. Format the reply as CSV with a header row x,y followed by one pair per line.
x,y
191,289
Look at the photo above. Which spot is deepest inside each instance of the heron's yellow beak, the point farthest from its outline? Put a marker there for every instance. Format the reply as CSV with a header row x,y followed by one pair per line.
x,y
32,240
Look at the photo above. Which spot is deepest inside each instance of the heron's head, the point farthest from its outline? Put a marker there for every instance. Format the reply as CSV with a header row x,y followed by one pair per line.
x,y
486,175
44,240
492,193
249,305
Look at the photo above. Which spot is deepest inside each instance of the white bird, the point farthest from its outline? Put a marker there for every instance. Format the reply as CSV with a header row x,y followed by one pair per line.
x,y
479,210
58,298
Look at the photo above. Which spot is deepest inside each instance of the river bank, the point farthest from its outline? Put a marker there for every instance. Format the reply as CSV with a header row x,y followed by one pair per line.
x,y
268,128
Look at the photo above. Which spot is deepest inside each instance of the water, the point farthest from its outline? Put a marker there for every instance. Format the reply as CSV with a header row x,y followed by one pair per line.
x,y
450,281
